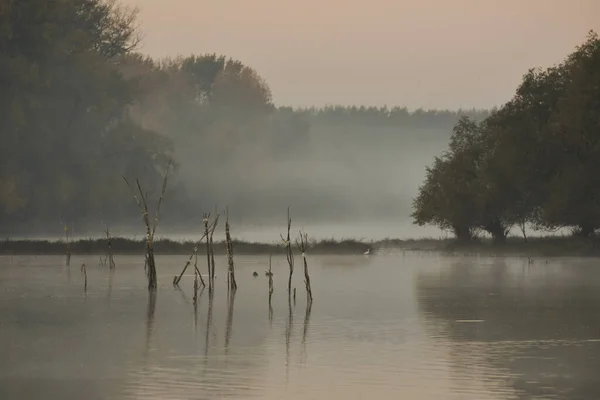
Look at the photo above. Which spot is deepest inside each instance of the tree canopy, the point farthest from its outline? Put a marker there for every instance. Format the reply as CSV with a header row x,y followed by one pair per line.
x,y
534,161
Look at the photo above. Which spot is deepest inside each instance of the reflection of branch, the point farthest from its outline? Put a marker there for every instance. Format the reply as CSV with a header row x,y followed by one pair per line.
x,y
306,324
208,322
196,301
111,274
288,335
183,295
150,320
228,327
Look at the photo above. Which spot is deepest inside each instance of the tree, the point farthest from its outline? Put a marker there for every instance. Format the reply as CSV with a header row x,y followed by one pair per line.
x,y
532,161
68,101
574,193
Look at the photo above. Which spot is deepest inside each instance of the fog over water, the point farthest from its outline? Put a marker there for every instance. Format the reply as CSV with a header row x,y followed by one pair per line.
x,y
260,109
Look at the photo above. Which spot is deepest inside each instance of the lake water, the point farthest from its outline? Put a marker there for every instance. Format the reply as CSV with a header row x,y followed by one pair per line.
x,y
386,326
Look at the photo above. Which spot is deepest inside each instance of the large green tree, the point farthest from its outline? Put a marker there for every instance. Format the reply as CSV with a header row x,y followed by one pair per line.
x,y
67,136
533,161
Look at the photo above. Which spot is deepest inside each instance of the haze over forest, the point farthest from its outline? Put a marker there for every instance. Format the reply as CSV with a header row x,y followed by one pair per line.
x,y
99,98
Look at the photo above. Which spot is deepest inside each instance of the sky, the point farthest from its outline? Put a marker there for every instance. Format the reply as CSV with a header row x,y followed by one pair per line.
x,y
414,53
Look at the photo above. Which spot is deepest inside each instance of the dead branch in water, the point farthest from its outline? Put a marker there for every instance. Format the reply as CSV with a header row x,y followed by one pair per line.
x,y
195,298
288,251
197,270
270,274
142,202
212,250
303,246
84,272
206,219
68,244
109,256
177,279
229,248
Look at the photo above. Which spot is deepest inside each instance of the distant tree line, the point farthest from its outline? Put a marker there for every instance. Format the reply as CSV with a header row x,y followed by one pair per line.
x,y
533,162
81,108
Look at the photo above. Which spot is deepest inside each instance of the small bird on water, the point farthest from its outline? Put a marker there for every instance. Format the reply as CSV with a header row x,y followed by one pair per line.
x,y
255,274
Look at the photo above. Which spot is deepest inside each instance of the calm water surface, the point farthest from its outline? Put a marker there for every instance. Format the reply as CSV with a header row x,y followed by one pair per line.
x,y
389,326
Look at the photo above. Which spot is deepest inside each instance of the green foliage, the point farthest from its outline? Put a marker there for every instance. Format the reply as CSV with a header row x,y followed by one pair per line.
x,y
533,161
67,134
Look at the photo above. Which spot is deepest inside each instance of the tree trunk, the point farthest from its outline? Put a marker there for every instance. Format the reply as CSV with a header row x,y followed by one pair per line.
x,y
585,229
462,233
497,230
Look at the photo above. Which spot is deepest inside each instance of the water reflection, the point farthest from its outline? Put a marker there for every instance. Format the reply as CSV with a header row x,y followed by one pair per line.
x,y
150,314
419,326
288,336
305,326
229,325
111,275
537,323
209,318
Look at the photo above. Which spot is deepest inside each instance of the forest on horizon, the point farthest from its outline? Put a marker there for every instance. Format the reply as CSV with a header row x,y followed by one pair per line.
x,y
83,108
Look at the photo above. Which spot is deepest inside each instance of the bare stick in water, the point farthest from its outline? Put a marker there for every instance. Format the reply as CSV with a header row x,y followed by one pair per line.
x,y
212,250
198,271
142,203
229,247
303,247
288,251
68,244
177,279
270,274
109,255
195,287
206,219
84,272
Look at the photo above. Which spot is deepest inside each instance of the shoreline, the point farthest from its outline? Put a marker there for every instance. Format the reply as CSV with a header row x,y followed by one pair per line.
x,y
549,246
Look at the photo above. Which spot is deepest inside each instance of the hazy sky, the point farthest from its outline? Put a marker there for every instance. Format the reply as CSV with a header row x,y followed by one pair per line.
x,y
415,53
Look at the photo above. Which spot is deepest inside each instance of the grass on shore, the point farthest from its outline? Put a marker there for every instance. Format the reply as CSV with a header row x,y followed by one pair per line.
x,y
551,246
535,246
168,247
